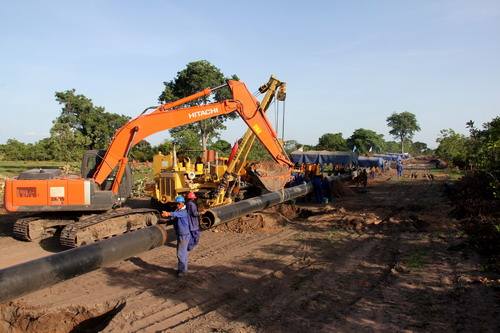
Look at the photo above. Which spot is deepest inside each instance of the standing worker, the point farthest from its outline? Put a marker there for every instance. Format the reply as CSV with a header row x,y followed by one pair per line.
x,y
399,166
194,222
317,188
181,226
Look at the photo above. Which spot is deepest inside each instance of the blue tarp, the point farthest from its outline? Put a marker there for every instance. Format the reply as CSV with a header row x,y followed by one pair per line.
x,y
324,157
368,162
387,157
392,156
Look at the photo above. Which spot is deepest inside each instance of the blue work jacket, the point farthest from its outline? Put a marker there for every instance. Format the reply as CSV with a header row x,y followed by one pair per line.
x,y
193,216
181,222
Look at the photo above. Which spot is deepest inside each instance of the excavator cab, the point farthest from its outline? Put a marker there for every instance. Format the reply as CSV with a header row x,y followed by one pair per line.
x,y
90,162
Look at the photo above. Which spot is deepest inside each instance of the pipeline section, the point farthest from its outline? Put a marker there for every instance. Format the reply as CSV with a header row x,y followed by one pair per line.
x,y
19,280
224,214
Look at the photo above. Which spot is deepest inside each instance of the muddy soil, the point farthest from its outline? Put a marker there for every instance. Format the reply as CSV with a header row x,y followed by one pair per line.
x,y
386,259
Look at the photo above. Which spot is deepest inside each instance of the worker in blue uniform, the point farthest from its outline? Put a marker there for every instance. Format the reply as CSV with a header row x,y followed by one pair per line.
x,y
399,166
317,188
194,222
181,226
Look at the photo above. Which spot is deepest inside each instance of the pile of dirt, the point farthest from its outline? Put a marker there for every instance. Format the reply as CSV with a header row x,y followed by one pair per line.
x,y
339,190
15,318
340,218
272,219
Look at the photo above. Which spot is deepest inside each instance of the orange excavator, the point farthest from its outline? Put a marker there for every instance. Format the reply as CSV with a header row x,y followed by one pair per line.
x,y
87,208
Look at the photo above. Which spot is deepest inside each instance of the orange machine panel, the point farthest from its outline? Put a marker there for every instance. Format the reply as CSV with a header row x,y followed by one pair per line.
x,y
63,192
77,192
52,192
28,192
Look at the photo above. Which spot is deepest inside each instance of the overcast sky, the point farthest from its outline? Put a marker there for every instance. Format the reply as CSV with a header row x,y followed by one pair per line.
x,y
348,64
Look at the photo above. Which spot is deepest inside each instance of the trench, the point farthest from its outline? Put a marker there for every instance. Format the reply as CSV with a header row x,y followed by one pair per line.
x,y
16,318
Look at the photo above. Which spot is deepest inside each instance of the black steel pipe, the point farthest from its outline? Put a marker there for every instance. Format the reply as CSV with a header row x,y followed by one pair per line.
x,y
24,278
224,214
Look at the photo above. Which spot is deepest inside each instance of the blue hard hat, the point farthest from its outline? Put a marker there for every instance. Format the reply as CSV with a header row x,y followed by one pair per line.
x,y
179,198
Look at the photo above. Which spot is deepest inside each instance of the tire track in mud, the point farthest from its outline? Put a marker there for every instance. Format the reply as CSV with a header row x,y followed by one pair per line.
x,y
353,261
181,314
166,310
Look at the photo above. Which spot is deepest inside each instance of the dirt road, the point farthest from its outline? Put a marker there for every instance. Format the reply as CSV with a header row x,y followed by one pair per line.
x,y
389,259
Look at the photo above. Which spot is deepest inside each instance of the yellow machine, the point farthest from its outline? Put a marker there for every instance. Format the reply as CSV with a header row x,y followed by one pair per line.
x,y
217,181
174,176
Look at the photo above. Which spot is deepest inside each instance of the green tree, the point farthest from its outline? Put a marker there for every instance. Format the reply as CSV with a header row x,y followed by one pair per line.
x,y
14,150
332,141
95,125
143,151
187,142
165,147
419,148
65,144
452,147
197,76
364,139
391,146
221,146
484,148
403,126
291,146
258,152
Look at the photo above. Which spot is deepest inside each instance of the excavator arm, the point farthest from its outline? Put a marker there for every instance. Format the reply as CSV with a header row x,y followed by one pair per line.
x,y
273,88
171,115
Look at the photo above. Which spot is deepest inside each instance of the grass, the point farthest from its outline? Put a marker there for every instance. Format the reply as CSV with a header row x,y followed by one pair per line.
x,y
453,174
13,168
416,260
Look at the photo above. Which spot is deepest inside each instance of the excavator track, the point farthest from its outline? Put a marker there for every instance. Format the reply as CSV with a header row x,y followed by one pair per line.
x,y
32,228
22,228
92,228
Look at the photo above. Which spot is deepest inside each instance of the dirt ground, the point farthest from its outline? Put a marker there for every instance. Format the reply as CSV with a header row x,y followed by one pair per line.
x,y
385,259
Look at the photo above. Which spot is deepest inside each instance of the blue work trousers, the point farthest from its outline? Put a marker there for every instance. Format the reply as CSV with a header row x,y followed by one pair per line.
x,y
400,171
182,252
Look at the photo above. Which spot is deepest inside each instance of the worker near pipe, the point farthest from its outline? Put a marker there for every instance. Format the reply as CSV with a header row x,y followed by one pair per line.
x,y
181,226
194,220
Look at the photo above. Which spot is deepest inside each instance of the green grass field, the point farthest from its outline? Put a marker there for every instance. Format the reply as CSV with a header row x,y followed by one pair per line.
x,y
13,168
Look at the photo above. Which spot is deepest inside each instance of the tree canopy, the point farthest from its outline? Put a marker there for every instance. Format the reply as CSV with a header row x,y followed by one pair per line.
x,y
222,147
403,126
331,141
197,76
91,125
452,147
364,139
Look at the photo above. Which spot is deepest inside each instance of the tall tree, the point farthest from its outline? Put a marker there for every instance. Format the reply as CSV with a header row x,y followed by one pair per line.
x,y
364,139
66,144
332,141
221,146
142,152
197,76
95,125
453,147
391,146
187,142
419,148
403,126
